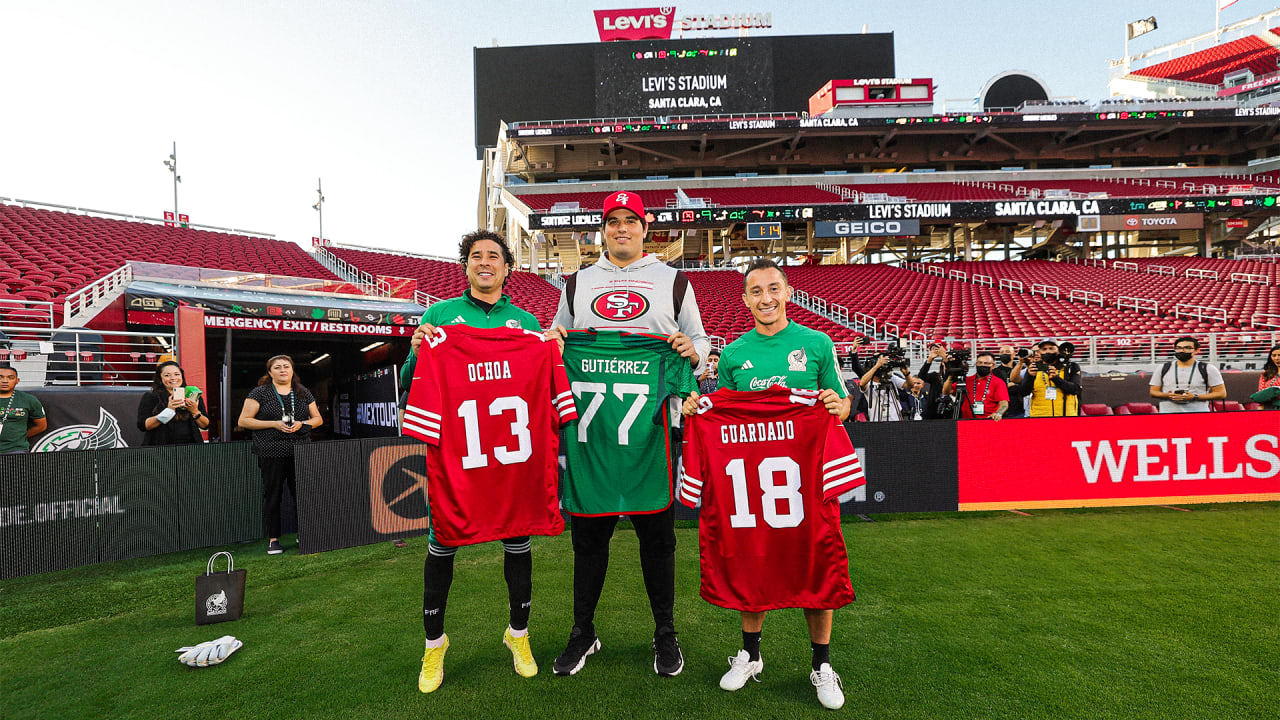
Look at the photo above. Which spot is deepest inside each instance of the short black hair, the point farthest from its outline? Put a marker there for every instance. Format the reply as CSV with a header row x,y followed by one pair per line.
x,y
1187,338
762,264
470,239
714,352
7,366
987,353
1042,343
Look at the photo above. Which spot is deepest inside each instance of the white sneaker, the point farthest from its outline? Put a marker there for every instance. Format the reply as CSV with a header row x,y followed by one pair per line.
x,y
741,668
829,687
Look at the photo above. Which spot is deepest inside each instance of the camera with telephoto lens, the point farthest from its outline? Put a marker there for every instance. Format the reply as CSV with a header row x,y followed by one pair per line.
x,y
958,362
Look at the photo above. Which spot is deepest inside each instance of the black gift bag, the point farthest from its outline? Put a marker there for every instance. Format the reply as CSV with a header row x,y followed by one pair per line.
x,y
219,595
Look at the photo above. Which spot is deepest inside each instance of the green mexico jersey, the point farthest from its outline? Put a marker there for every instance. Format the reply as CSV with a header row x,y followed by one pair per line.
x,y
463,310
16,413
797,357
618,450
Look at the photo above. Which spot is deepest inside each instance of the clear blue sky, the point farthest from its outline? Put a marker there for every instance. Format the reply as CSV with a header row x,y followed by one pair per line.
x,y
264,97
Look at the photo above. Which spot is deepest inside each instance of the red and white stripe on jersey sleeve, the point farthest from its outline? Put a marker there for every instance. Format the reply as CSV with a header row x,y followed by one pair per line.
x,y
565,407
690,490
842,475
422,424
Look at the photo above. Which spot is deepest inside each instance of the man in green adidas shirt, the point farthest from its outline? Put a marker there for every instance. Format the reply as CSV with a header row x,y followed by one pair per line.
x,y
21,414
783,352
487,261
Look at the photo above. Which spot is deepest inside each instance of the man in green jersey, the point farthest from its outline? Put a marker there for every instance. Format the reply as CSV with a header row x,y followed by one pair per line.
x,y
21,414
783,352
487,261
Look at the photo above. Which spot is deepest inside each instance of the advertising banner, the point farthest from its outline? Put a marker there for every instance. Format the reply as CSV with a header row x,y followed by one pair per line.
x,y
1121,460
66,509
635,23
84,418
908,469
866,228
1177,221
358,492
365,406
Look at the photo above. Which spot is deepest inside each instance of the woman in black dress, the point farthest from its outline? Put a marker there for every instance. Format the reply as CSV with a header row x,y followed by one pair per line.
x,y
167,414
281,413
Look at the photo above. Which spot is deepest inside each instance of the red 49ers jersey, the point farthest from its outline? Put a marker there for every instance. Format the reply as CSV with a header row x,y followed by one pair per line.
x,y
767,467
490,403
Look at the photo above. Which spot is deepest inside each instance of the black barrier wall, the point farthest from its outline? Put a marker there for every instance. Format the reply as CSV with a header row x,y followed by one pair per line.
x,y
66,509
358,492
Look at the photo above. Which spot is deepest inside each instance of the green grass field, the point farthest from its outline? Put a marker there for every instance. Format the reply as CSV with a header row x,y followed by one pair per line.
x,y
1120,613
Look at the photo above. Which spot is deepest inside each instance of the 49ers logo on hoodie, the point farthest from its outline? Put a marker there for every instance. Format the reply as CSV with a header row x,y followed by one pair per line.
x,y
620,305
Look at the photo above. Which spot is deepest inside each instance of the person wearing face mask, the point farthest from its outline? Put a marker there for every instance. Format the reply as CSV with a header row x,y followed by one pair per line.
x,y
1006,362
170,413
1052,385
985,394
1187,385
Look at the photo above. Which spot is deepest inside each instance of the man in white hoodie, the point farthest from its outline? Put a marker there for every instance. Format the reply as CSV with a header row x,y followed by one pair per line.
x,y
630,291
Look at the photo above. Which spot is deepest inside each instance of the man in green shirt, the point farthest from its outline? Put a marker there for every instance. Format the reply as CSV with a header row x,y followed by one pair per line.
x,y
487,261
21,414
783,352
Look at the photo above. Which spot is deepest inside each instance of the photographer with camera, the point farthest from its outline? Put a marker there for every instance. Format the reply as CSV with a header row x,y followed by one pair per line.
x,y
881,384
985,395
1052,384
933,378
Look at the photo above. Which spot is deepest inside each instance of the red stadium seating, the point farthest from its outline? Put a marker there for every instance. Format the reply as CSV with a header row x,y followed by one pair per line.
x,y
445,279
1137,408
1239,300
719,294
939,307
1209,66
51,254
1226,406
1095,409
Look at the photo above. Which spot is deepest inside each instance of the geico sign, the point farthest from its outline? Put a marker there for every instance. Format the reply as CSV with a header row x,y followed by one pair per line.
x,y
865,228
1158,459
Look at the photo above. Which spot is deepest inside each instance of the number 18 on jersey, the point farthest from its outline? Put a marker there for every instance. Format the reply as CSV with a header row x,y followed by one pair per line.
x,y
769,530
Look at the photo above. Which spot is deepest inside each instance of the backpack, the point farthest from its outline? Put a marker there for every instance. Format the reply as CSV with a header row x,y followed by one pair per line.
x,y
1204,375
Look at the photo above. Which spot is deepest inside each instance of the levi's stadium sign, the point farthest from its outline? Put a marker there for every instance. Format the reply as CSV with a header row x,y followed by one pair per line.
x,y
635,24
657,23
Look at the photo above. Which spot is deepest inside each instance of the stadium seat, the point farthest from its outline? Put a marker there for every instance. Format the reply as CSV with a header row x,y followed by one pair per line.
x,y
1095,409
1227,406
1137,408
1253,406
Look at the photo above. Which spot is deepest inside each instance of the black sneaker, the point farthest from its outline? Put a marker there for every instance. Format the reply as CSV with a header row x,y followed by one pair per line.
x,y
581,644
275,548
667,658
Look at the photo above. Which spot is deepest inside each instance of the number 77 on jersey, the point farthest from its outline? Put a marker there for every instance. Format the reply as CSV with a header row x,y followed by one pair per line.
x,y
490,403
619,450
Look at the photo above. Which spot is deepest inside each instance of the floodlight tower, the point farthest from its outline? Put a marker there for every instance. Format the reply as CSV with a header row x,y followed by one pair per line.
x,y
172,164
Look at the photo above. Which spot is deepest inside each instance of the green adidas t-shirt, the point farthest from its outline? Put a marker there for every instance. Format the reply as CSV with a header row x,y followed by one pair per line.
x,y
618,450
16,414
464,310
798,357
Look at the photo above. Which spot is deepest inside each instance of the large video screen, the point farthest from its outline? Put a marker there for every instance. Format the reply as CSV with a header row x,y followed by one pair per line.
x,y
664,77
696,76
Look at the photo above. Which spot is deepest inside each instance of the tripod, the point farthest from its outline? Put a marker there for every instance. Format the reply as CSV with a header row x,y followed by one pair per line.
x,y
962,392
883,394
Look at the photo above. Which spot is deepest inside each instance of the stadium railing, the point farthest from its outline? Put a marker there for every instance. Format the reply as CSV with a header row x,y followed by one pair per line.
x,y
79,303
27,313
79,356
1110,350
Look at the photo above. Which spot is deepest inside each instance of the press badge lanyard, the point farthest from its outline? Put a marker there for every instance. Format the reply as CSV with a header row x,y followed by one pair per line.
x,y
8,406
291,408
1190,374
985,386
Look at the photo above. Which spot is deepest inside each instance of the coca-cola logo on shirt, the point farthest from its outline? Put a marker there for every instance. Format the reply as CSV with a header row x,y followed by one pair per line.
x,y
620,305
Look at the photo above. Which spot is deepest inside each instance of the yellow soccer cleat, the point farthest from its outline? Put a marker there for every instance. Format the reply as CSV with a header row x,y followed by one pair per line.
x,y
520,653
432,673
